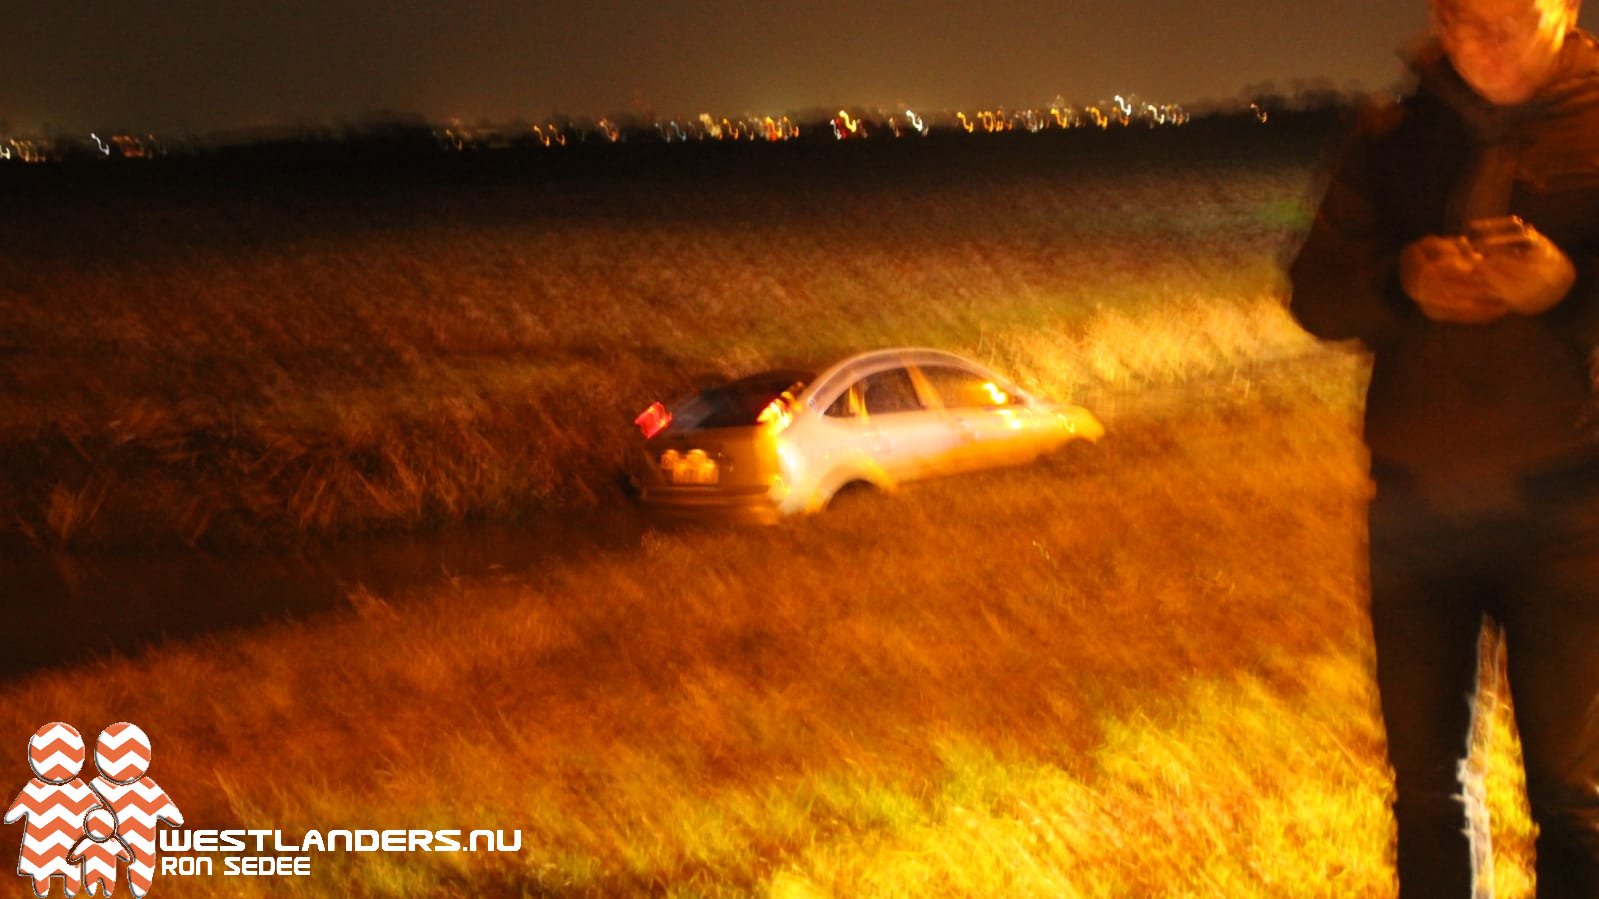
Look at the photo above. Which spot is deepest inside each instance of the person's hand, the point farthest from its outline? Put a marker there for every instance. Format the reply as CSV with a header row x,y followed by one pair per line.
x,y
1530,275
1441,275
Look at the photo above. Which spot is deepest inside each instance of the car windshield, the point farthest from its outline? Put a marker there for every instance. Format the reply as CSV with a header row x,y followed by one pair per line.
x,y
739,403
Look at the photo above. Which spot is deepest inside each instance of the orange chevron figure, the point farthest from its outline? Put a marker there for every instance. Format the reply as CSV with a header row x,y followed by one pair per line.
x,y
122,756
54,803
99,852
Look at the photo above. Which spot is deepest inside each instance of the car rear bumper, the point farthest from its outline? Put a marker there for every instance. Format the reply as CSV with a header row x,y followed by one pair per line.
x,y
742,504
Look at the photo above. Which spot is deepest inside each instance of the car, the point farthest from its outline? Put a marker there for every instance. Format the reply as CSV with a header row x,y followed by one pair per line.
x,y
785,442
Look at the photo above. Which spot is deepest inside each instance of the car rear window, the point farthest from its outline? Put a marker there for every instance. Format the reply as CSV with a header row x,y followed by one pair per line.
x,y
738,403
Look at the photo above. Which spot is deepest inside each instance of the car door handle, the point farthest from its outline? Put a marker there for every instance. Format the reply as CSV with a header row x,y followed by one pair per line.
x,y
966,430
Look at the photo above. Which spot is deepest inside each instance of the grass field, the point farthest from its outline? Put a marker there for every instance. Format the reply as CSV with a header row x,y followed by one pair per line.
x,y
1140,668
303,359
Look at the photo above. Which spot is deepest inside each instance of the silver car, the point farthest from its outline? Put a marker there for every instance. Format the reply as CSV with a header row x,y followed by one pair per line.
x,y
786,442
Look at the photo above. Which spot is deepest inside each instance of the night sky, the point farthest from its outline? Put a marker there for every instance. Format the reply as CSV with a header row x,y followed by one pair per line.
x,y
193,66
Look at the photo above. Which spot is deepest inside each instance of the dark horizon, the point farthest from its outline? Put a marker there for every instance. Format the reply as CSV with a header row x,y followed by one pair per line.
x,y
187,68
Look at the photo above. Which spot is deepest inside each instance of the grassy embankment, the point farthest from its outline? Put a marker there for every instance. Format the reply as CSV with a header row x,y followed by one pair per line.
x,y
1136,670
271,363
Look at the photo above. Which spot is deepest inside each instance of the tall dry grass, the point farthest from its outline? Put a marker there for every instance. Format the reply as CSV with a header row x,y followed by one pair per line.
x,y
1139,669
308,360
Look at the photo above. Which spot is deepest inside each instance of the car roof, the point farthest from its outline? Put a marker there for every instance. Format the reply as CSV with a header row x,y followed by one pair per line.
x,y
841,374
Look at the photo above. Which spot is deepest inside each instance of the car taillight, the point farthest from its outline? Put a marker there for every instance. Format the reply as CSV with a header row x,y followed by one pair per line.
x,y
653,420
776,415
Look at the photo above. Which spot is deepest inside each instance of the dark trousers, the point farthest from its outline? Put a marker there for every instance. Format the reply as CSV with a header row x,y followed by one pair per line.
x,y
1437,568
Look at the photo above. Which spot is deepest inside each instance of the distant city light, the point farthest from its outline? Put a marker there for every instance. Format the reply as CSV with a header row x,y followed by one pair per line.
x,y
555,133
846,124
549,135
846,127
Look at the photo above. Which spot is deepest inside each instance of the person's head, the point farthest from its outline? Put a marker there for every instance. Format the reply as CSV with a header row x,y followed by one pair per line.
x,y
56,752
1504,49
122,754
100,824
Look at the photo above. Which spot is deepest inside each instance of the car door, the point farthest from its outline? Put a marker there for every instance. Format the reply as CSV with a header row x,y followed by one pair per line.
x,y
896,427
993,425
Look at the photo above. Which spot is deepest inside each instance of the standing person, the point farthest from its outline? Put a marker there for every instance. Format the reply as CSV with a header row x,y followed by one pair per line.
x,y
54,803
1480,415
137,803
99,851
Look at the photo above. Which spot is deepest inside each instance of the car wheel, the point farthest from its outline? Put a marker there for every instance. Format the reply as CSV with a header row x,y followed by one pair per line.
x,y
851,494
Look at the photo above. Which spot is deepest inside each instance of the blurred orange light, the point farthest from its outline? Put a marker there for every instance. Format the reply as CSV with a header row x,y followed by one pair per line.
x,y
653,420
776,415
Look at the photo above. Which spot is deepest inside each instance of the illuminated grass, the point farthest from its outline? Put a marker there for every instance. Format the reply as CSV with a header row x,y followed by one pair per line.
x,y
245,370
1136,669
1140,669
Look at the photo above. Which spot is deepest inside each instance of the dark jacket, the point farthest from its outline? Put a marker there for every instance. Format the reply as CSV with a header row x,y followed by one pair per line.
x,y
1499,401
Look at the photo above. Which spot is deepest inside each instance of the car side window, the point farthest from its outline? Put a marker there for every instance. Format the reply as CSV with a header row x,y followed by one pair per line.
x,y
958,388
848,404
887,392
